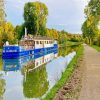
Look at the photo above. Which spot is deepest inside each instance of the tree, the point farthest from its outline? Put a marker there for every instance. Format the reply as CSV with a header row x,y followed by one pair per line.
x,y
88,32
7,33
20,31
90,26
35,16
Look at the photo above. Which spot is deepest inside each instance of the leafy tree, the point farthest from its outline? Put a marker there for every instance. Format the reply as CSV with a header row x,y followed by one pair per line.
x,y
35,16
20,31
90,26
7,33
88,32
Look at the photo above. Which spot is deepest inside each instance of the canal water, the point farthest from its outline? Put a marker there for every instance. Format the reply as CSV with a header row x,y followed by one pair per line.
x,y
19,80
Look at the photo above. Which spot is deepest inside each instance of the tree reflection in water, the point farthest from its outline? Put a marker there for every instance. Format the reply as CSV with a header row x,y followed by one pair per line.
x,y
35,82
63,51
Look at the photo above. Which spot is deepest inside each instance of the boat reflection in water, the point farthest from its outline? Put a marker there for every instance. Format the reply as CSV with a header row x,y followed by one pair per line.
x,y
30,78
34,60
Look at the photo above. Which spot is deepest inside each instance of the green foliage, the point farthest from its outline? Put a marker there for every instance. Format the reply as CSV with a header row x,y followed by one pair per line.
x,y
35,16
67,49
88,32
90,26
96,47
2,88
63,36
65,76
7,33
93,8
20,31
35,83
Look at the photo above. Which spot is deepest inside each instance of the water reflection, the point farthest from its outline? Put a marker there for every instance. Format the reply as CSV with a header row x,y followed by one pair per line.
x,y
15,64
21,78
2,87
35,83
63,51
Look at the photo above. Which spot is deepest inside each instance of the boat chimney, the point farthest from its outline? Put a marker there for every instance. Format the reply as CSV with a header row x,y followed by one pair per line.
x,y
7,43
25,32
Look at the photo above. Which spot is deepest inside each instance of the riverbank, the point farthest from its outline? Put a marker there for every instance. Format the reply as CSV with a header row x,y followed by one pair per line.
x,y
96,47
71,89
66,75
70,43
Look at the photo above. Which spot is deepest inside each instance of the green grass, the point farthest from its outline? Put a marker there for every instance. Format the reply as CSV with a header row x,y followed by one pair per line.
x,y
70,43
66,75
96,47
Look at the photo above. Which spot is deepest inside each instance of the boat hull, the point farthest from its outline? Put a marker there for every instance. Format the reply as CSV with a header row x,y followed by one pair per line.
x,y
9,54
14,55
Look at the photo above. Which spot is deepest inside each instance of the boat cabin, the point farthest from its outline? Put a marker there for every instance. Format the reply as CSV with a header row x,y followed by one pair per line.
x,y
36,42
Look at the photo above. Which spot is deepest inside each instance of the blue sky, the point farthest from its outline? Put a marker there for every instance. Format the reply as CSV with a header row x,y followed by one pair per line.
x,y
63,14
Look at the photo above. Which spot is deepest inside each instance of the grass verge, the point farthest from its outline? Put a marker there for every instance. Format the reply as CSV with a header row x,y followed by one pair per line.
x,y
70,43
66,75
96,47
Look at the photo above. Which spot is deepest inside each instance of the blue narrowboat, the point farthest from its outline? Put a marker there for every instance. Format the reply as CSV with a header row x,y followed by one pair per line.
x,y
30,45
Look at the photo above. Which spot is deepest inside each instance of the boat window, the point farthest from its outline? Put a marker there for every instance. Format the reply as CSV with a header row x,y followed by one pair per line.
x,y
43,61
37,64
3,50
37,42
40,42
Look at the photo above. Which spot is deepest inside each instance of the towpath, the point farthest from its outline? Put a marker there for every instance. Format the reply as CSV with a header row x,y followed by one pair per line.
x,y
91,76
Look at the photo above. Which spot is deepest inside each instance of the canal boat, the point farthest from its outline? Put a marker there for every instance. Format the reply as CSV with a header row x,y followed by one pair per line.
x,y
30,45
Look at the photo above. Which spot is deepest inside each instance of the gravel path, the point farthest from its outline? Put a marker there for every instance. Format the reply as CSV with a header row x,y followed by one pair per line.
x,y
91,78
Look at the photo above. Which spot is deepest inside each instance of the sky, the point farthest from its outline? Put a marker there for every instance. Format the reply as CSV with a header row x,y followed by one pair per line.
x,y
65,15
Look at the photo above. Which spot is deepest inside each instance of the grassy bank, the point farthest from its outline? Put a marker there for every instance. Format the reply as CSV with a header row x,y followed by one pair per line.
x,y
69,43
65,76
96,47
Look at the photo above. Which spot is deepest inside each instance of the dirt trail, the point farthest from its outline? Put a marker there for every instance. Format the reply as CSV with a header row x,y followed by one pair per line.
x,y
91,76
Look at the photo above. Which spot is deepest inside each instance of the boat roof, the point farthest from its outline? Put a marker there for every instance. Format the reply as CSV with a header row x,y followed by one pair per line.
x,y
37,38
42,38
